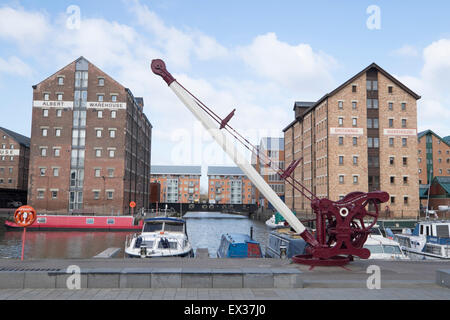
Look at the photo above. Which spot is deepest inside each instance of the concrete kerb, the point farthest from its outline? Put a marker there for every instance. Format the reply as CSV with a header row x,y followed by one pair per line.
x,y
102,278
166,278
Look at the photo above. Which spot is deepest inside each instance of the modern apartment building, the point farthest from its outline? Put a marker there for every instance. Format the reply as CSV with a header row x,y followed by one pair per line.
x,y
178,184
90,144
270,150
228,185
14,160
362,136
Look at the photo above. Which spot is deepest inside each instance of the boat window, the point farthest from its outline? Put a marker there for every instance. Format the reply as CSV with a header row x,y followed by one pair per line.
x,y
173,226
374,248
89,220
442,231
392,249
153,227
41,220
148,244
375,231
165,244
421,229
406,242
429,248
110,221
427,228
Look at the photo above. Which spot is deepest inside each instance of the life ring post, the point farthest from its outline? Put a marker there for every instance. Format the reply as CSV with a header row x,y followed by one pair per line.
x,y
24,216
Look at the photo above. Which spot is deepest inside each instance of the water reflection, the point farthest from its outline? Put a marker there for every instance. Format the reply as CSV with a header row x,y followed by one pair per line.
x,y
204,231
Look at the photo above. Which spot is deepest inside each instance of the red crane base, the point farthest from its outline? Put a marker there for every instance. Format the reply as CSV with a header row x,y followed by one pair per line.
x,y
341,229
309,260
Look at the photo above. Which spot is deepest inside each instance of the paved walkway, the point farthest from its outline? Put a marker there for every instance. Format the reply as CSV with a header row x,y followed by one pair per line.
x,y
227,294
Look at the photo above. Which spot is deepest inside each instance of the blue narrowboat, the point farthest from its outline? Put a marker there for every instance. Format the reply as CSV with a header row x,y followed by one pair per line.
x,y
238,245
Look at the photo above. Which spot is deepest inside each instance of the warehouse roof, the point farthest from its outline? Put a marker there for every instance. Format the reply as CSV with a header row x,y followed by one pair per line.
x,y
25,141
224,171
176,170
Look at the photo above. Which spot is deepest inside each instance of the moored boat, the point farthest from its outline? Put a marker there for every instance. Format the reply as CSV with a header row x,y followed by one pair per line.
x,y
283,243
80,223
428,240
274,223
160,237
238,245
383,248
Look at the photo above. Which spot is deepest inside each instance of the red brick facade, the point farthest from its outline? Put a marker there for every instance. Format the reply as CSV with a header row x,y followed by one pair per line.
x,y
14,160
90,144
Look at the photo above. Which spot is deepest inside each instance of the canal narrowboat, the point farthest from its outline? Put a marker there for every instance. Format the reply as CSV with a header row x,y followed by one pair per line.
x,y
160,237
237,245
283,243
81,223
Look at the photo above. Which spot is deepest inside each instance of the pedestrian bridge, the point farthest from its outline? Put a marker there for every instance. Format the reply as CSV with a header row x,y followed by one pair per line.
x,y
240,209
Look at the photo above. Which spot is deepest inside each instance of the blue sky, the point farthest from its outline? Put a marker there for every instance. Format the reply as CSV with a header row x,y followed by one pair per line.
x,y
256,56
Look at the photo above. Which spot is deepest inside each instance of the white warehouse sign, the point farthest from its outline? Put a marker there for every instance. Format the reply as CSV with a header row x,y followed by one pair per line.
x,y
400,132
106,105
9,152
347,131
52,104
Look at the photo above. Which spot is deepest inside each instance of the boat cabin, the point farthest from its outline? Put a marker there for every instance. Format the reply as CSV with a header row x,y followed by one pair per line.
x,y
238,246
435,231
164,225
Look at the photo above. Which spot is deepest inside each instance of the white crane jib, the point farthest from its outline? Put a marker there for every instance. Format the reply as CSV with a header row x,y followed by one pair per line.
x,y
159,68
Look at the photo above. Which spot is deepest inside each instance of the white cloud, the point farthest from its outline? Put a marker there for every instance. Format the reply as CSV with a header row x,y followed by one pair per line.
x,y
432,84
178,46
15,66
406,51
297,67
23,27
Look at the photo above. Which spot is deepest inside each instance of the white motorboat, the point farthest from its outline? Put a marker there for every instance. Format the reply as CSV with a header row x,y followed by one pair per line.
x,y
384,248
428,240
160,237
271,223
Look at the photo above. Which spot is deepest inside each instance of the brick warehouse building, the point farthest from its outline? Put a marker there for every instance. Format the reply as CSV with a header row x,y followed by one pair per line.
x,y
228,185
14,162
362,136
434,167
177,184
434,156
90,144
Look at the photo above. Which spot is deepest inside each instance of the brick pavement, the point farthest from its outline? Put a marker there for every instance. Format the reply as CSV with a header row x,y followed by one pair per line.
x,y
228,294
